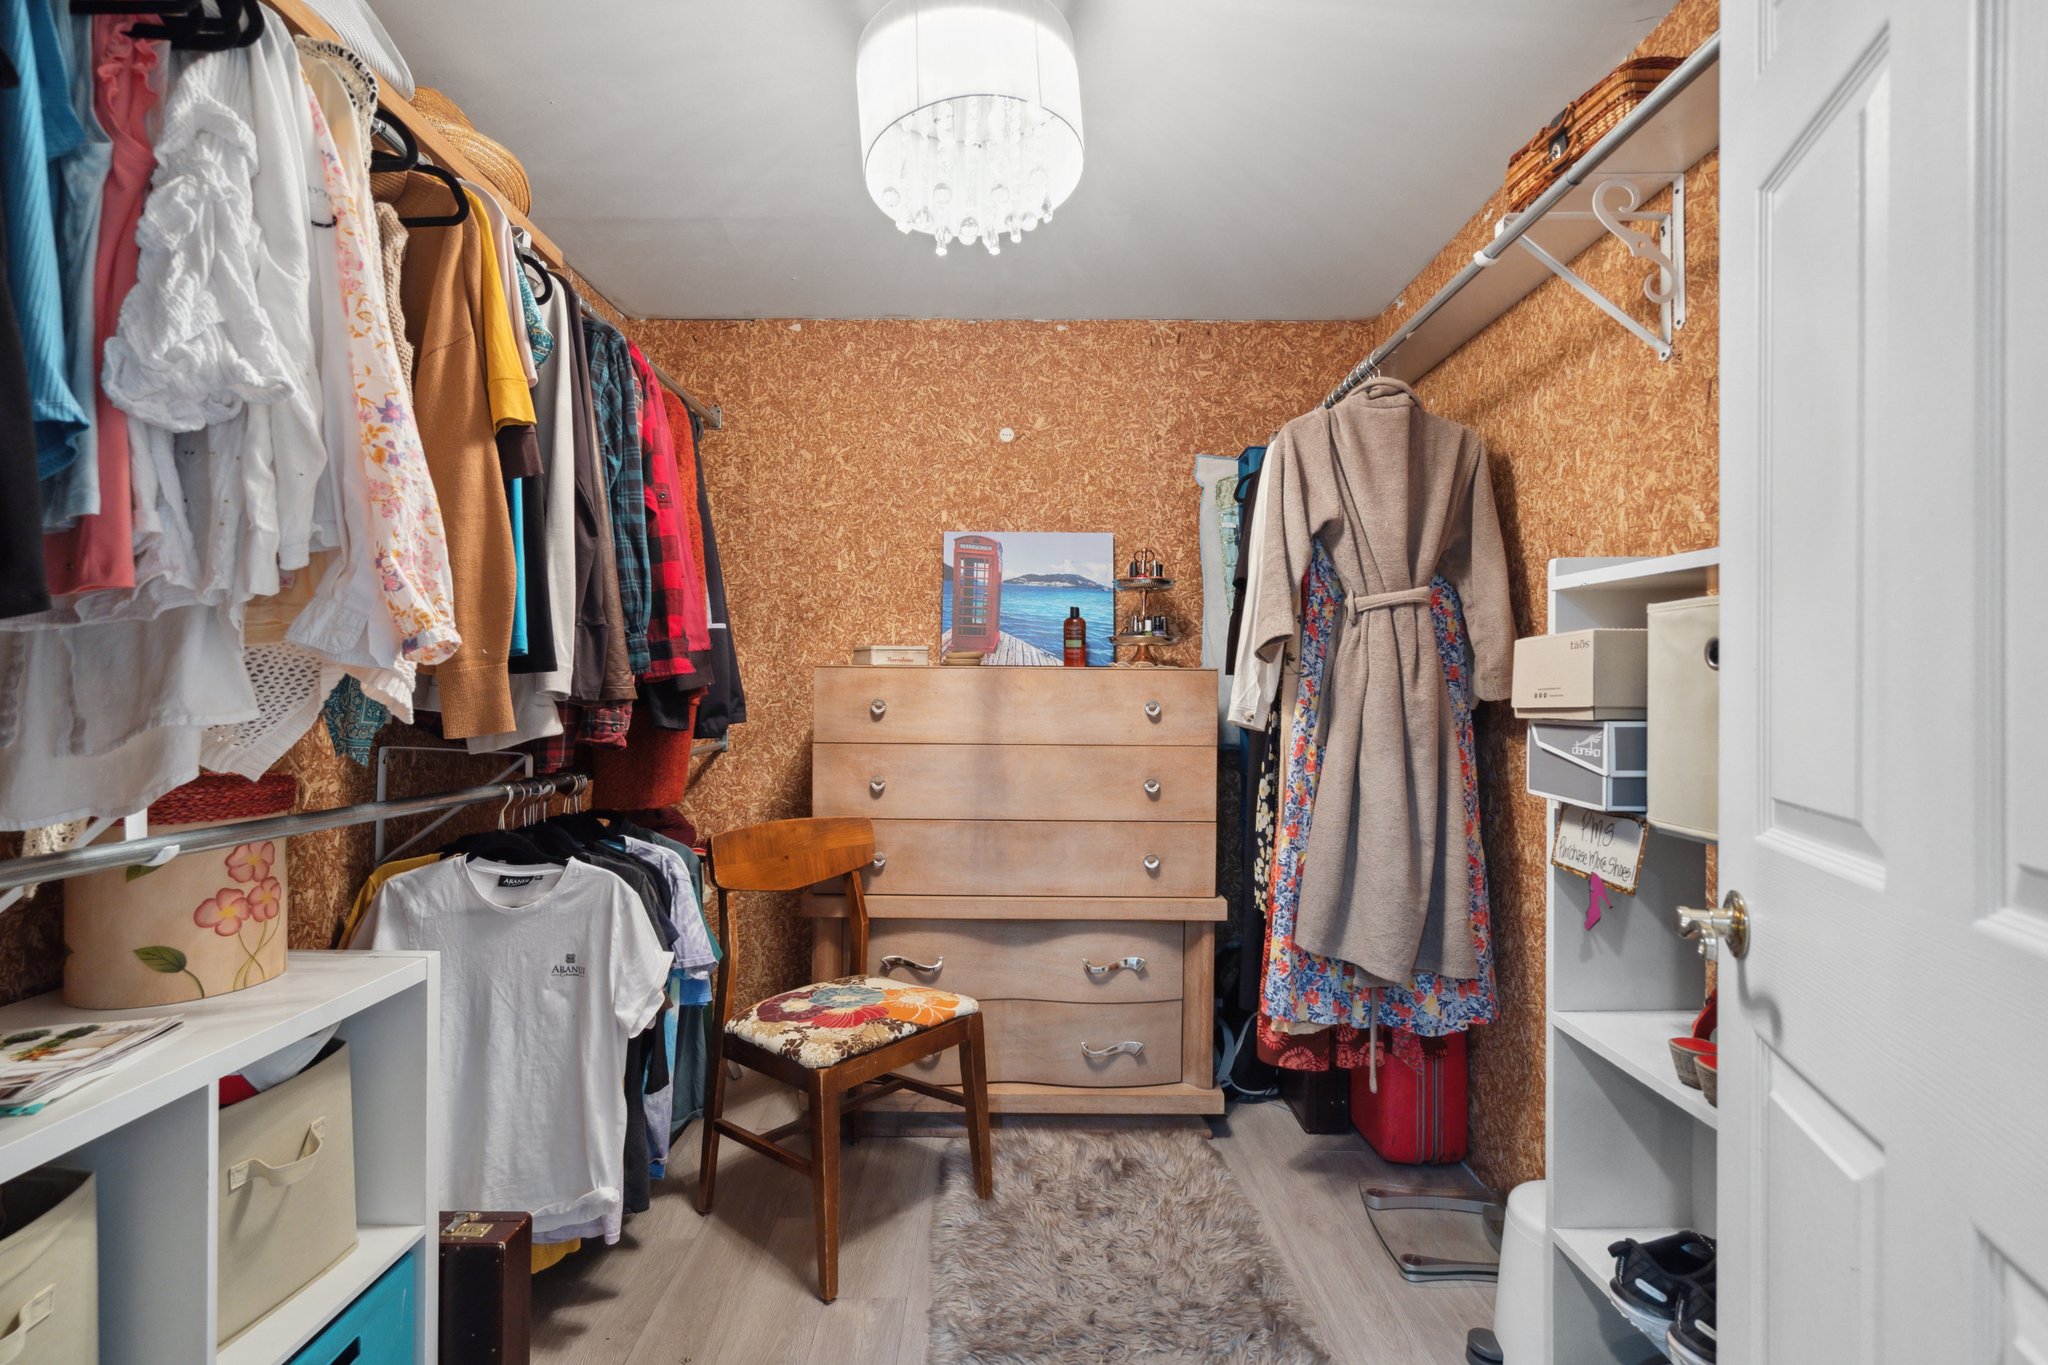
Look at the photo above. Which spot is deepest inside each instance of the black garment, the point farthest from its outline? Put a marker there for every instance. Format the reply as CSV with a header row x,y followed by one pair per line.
x,y
668,700
639,1185
540,655
23,587
725,701
586,684
1240,575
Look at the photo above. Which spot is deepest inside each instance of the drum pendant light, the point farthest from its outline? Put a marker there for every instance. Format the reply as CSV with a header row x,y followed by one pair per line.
x,y
970,117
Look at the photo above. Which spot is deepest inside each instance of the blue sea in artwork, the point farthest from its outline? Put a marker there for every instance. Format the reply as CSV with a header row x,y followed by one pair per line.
x,y
1037,615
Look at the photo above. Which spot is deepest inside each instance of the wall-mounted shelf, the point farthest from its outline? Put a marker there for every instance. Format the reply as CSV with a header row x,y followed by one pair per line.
x,y
1637,1042
1649,152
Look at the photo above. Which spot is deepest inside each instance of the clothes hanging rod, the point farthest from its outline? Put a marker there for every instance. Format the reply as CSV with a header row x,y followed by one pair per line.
x,y
710,414
1667,90
159,848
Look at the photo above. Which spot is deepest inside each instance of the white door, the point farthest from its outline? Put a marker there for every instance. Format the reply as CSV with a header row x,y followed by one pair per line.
x,y
1884,802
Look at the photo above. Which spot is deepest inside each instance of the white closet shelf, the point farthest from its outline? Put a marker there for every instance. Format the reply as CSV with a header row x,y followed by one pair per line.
x,y
218,1038
301,1317
1637,1043
1586,1249
1674,575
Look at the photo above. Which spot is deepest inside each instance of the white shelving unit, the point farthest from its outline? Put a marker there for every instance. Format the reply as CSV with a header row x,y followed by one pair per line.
x,y
1630,1150
149,1132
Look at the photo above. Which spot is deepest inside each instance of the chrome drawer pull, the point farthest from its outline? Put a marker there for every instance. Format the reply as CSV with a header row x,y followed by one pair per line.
x,y
1151,786
1128,964
1154,709
878,708
1151,862
1132,1046
895,960
881,860
877,785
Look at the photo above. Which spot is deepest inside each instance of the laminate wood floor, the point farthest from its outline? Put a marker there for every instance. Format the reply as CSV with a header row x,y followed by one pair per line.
x,y
736,1287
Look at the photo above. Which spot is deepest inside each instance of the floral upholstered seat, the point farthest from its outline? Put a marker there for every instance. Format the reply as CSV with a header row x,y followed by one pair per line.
x,y
826,1023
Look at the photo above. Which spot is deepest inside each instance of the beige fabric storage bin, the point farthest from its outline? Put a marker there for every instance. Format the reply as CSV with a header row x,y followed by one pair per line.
x,y
49,1269
1685,716
287,1190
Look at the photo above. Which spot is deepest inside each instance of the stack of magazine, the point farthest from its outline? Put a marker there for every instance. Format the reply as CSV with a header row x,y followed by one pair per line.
x,y
38,1065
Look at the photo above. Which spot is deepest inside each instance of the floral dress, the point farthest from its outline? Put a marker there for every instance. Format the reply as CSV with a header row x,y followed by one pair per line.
x,y
1304,995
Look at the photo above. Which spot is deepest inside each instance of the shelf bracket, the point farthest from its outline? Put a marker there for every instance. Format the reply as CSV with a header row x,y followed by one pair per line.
x,y
1614,205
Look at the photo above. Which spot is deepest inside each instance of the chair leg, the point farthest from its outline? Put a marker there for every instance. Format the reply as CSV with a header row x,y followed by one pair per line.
x,y
714,1109
974,1089
825,1188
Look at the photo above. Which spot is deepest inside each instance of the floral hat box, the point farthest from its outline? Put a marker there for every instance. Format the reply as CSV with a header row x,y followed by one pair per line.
x,y
202,925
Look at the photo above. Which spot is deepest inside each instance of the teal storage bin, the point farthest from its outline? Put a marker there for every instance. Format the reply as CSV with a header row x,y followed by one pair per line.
x,y
377,1329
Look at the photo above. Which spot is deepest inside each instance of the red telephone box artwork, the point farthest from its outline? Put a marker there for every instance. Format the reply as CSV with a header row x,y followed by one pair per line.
x,y
977,594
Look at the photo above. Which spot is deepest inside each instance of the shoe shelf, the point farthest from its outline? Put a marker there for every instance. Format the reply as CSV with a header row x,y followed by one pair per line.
x,y
1630,1150
1637,1042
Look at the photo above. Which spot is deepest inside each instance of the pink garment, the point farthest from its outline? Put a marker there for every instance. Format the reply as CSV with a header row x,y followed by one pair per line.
x,y
99,552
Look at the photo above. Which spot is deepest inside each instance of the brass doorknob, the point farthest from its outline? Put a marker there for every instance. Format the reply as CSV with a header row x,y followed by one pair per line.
x,y
1712,928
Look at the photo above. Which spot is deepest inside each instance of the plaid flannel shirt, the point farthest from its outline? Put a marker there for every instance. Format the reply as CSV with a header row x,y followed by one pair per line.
x,y
667,639
615,393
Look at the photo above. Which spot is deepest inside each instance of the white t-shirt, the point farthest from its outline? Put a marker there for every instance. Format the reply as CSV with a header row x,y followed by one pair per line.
x,y
545,974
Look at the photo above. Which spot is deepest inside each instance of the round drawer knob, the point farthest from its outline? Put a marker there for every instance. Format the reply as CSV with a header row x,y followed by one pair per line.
x,y
1151,786
878,708
881,860
1151,862
877,785
1154,710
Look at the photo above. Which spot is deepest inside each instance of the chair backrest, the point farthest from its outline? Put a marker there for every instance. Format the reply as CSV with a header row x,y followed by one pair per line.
x,y
789,855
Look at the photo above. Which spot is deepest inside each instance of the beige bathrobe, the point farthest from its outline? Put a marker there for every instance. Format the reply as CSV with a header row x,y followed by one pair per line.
x,y
1397,497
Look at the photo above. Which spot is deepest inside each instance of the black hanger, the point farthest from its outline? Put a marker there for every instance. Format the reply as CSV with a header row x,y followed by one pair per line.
x,y
545,285
446,177
133,6
408,154
192,29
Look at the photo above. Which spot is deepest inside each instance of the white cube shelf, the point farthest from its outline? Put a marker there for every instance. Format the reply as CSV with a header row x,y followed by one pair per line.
x,y
149,1132
1629,1150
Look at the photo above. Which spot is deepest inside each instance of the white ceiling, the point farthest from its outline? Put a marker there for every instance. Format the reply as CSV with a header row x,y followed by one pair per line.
x,y
1246,158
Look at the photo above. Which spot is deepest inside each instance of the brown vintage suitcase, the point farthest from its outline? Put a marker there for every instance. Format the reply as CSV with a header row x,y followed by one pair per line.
x,y
486,1288
1579,125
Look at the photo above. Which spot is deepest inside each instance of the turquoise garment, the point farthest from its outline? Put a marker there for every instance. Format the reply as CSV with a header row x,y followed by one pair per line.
x,y
539,339
515,493
38,127
353,721
74,491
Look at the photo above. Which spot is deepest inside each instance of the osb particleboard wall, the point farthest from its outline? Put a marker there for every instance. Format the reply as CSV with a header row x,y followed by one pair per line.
x,y
850,448
1598,449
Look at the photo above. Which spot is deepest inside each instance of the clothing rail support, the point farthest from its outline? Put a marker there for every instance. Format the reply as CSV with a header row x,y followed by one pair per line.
x,y
522,762
1682,76
139,852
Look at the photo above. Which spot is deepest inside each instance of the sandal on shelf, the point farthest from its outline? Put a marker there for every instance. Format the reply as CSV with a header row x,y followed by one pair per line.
x,y
1650,1278
1686,1052
1691,1340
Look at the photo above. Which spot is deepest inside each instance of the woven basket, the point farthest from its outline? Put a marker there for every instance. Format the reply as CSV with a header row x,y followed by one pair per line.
x,y
212,797
491,158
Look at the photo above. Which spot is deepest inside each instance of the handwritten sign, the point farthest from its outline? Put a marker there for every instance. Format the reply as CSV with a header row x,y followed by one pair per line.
x,y
1596,844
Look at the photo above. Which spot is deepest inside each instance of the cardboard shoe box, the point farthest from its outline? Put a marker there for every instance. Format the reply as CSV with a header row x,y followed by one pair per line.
x,y
1583,675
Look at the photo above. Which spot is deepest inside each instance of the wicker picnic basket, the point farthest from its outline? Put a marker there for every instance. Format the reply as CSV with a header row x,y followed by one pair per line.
x,y
1579,125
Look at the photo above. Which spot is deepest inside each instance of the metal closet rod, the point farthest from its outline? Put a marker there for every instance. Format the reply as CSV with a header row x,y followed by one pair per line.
x,y
1668,89
710,414
104,857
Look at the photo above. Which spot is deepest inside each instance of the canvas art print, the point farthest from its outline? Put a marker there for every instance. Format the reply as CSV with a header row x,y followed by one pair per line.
x,y
1006,594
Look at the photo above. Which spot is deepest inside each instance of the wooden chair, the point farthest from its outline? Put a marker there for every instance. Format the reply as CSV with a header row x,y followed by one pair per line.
x,y
837,1042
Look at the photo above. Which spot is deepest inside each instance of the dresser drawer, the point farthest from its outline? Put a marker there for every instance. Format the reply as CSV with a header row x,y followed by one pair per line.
x,y
1014,782
1040,1043
1043,858
1032,959
993,705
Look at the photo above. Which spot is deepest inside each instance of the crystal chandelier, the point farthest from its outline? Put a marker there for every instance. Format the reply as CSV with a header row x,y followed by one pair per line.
x,y
970,117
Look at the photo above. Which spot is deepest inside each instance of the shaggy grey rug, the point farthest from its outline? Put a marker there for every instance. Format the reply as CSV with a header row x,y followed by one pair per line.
x,y
1129,1245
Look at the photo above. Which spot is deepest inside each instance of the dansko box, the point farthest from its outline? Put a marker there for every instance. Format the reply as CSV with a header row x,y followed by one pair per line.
x,y
1582,675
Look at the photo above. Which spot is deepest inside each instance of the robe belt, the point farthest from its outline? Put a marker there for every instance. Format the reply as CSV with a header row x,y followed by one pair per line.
x,y
1383,601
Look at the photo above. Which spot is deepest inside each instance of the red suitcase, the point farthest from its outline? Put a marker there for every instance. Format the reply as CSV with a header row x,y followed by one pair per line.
x,y
1418,1117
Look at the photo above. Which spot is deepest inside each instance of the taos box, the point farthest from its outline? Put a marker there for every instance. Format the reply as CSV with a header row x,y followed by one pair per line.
x,y
1583,675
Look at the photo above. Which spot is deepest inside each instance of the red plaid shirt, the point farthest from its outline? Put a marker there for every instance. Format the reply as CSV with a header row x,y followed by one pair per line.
x,y
667,636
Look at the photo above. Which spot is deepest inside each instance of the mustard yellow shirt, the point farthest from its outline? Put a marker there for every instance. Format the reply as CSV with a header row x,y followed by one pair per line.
x,y
511,400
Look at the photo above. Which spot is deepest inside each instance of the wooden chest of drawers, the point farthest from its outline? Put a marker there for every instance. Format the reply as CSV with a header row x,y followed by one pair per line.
x,y
1045,842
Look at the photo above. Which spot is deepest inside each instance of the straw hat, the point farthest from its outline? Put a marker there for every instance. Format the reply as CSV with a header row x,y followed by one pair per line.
x,y
493,161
